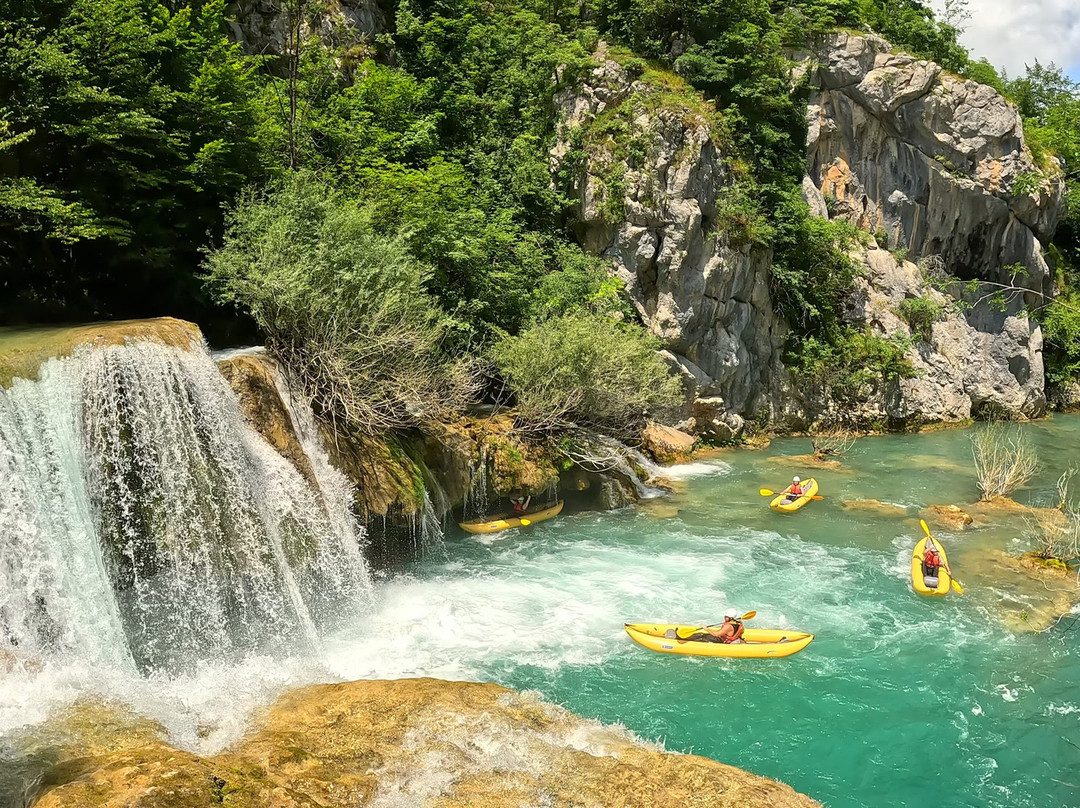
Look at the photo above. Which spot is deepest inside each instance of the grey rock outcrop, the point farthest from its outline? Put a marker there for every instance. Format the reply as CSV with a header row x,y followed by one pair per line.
x,y
895,144
967,362
647,199
936,161
262,26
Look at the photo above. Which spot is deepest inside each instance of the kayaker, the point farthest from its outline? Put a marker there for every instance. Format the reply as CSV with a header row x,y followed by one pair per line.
x,y
520,505
931,560
795,490
731,630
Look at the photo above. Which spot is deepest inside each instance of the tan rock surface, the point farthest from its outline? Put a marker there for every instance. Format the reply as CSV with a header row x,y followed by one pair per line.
x,y
810,461
1031,596
416,742
948,516
875,507
252,378
1000,509
666,444
24,350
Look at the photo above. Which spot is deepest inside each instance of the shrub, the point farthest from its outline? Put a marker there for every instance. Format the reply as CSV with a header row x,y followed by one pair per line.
x,y
1004,459
342,305
586,369
856,367
920,313
1056,533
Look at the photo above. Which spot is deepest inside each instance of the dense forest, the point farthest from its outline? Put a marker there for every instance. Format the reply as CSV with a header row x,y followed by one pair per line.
x,y
383,209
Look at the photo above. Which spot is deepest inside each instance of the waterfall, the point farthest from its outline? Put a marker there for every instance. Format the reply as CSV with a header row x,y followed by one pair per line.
x,y
143,523
425,528
476,497
626,461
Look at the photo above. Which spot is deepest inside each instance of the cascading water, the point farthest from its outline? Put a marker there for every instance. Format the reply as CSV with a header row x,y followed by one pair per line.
x,y
142,522
476,497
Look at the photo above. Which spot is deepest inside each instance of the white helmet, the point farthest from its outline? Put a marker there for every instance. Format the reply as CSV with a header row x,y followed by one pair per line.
x,y
730,613
795,479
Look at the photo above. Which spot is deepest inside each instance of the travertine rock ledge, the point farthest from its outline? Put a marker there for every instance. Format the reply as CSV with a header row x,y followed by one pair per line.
x,y
415,742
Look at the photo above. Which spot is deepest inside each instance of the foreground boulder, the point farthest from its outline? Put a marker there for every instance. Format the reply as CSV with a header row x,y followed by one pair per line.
x,y
416,742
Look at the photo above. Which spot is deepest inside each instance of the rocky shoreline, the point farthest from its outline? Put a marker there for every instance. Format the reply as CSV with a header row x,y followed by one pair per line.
x,y
415,742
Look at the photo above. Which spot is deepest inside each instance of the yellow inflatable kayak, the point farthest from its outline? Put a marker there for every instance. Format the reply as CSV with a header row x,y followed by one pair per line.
x,y
758,643
506,521
779,504
917,580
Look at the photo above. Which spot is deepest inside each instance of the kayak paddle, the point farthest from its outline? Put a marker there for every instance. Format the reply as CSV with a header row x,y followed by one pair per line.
x,y
765,492
749,615
955,583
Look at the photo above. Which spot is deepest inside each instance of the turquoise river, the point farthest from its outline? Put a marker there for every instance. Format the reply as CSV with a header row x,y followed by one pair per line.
x,y
899,701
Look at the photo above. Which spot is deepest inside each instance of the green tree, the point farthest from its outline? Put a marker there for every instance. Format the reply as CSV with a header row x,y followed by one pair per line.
x,y
126,126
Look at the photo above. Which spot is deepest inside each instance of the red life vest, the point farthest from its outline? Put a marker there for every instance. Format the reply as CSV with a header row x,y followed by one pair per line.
x,y
737,634
932,559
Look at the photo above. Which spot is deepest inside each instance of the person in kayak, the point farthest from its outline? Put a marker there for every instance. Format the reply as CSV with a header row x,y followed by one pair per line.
x,y
730,631
931,560
795,490
520,505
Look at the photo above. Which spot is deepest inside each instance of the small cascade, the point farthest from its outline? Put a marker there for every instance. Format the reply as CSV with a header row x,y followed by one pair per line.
x,y
476,498
142,522
613,456
425,528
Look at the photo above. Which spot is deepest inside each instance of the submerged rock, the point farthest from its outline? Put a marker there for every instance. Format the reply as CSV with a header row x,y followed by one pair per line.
x,y
875,507
810,461
948,516
1032,595
415,742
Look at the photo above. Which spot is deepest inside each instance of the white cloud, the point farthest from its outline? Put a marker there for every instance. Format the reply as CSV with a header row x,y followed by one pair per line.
x,y
1012,33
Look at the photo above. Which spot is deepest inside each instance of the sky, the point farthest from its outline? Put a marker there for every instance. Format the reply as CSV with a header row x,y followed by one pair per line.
x,y
1012,33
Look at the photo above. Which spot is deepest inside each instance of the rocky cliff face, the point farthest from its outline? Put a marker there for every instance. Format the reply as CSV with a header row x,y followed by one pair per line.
x,y
648,180
935,166
415,742
937,162
262,26
977,362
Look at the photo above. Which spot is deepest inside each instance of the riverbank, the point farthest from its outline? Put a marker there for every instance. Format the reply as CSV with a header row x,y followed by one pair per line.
x,y
415,742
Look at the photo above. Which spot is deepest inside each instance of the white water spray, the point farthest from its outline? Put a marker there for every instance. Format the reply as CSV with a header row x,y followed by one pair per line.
x,y
142,522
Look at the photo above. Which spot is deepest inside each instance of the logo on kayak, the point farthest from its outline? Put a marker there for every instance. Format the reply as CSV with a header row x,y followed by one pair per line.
x,y
668,647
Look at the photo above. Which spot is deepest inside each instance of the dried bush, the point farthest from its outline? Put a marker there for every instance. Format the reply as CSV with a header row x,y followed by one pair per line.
x,y
1004,459
832,443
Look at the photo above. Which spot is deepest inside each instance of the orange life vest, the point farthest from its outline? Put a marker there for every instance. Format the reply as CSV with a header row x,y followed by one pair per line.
x,y
931,558
737,634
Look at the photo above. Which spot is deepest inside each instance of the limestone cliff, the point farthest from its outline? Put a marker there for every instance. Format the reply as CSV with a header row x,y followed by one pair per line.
x,y
416,742
967,363
937,168
262,26
937,162
930,165
649,176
